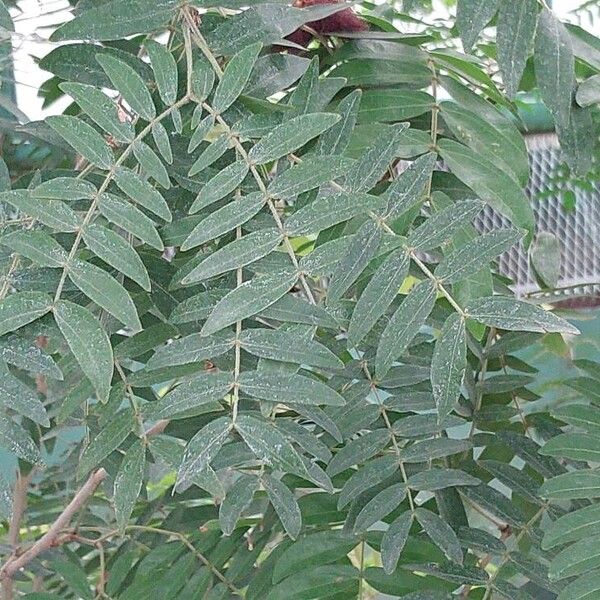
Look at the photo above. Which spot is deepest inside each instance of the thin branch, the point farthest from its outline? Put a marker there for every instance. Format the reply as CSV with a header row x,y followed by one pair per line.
x,y
19,505
63,520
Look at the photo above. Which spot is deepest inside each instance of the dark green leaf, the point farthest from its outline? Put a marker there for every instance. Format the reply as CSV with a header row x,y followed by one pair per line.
x,y
247,300
404,326
441,534
116,252
201,449
84,139
378,295
268,444
554,65
330,210
441,226
288,388
238,498
37,246
379,506
471,17
165,70
21,308
468,259
142,192
202,389
448,365
237,254
511,314
288,347
516,27
51,212
290,136
88,343
113,20
101,109
128,481
235,76
310,173
394,540
105,291
285,505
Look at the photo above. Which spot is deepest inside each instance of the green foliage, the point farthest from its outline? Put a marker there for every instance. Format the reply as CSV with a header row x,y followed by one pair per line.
x,y
282,355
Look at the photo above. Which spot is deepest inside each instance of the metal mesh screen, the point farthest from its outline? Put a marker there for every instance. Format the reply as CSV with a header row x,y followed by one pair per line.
x,y
578,229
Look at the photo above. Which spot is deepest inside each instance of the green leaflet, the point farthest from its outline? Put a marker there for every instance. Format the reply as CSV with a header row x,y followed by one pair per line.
x,y
285,505
313,549
358,450
51,212
247,300
378,295
21,308
493,186
578,484
14,438
468,259
375,160
311,173
404,325
408,188
235,76
394,540
128,481
448,365
288,347
207,158
201,449
123,214
14,394
588,92
37,246
105,291
471,17
441,534
336,139
573,526
191,348
508,313
330,210
165,70
438,479
268,444
88,343
238,253
222,184
224,220
379,506
142,192
288,388
114,20
363,247
101,109
129,84
290,136
238,498
508,153
64,188
116,252
554,66
84,139
202,389
151,164
516,28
